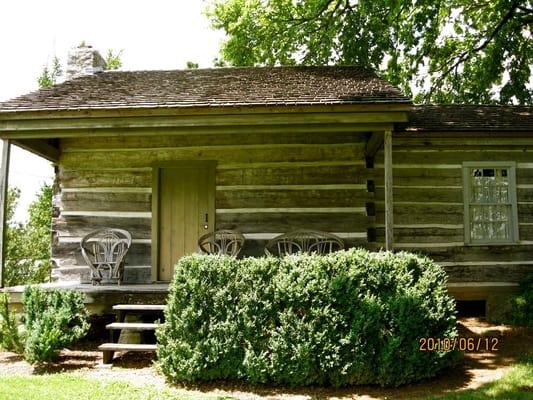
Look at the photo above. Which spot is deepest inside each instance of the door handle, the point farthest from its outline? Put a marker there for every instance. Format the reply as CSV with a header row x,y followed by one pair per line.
x,y
206,225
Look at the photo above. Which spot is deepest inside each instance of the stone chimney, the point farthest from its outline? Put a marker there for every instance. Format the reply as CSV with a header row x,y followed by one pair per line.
x,y
84,60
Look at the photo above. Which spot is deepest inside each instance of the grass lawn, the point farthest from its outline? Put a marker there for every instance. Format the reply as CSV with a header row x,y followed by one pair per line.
x,y
68,386
517,384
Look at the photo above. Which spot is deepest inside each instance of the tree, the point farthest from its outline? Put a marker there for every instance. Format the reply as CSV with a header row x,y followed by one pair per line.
x,y
440,50
191,65
113,60
48,75
28,245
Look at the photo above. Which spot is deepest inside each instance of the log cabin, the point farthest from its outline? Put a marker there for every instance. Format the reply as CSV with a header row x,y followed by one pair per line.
x,y
170,155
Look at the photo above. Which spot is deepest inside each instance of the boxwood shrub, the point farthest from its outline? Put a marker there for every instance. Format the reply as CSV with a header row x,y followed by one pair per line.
x,y
351,317
53,319
522,304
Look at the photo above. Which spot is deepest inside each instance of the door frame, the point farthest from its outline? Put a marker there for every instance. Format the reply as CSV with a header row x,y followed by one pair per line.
x,y
156,179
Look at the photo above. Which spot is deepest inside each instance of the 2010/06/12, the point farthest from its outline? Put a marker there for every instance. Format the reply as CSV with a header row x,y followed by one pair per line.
x,y
468,344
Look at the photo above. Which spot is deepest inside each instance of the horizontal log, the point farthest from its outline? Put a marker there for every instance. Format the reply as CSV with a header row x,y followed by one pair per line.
x,y
241,137
478,141
458,157
525,213
140,228
411,219
524,194
291,198
145,158
132,274
524,176
422,177
525,232
285,222
488,273
309,175
105,201
103,178
70,254
487,254
423,210
422,194
422,235
462,148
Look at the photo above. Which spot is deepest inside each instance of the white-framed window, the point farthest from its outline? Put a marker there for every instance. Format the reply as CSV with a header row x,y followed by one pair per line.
x,y
490,211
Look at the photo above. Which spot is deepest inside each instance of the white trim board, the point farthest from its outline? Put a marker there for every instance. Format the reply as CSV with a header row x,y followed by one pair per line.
x,y
311,210
107,190
348,186
111,214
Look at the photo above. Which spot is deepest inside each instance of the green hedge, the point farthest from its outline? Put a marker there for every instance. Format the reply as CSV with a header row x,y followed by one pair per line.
x,y
53,319
352,317
522,304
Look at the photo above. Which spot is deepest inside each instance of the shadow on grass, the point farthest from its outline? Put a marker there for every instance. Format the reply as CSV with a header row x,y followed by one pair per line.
x,y
516,384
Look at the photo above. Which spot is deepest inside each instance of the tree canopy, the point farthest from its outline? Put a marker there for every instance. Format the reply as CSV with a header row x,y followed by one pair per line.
x,y
441,51
28,244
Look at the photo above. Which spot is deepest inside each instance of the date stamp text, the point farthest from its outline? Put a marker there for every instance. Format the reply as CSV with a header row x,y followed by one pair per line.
x,y
466,344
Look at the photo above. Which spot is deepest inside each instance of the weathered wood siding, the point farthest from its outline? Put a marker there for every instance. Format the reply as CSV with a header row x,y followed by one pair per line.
x,y
266,184
428,202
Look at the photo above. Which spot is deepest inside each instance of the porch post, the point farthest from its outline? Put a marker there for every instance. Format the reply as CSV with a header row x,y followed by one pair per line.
x,y
5,148
389,223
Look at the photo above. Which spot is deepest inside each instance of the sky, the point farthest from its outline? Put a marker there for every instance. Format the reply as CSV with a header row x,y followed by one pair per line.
x,y
155,34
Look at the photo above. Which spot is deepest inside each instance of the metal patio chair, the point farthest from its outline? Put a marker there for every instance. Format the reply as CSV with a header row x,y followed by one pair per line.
x,y
106,249
222,242
304,241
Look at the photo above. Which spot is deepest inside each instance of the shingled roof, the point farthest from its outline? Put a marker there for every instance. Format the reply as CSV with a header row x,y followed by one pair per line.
x,y
214,87
456,117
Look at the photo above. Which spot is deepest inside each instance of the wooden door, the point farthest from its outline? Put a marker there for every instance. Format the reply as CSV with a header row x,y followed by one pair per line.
x,y
185,210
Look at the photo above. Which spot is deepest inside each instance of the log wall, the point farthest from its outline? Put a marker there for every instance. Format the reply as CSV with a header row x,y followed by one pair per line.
x,y
270,183
428,203
266,184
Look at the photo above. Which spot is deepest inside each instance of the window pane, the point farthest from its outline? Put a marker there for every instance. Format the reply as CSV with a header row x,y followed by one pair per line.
x,y
488,172
476,231
489,185
489,204
489,222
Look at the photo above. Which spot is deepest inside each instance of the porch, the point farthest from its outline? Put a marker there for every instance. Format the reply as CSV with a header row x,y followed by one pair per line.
x,y
100,299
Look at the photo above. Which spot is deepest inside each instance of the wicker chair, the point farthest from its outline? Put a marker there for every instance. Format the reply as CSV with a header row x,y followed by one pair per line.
x,y
304,241
222,242
106,249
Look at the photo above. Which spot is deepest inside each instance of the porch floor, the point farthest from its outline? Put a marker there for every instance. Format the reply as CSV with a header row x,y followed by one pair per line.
x,y
101,298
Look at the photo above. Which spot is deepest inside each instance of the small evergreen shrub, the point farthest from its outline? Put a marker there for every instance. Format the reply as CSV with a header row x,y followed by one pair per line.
x,y
10,339
522,304
54,319
352,317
